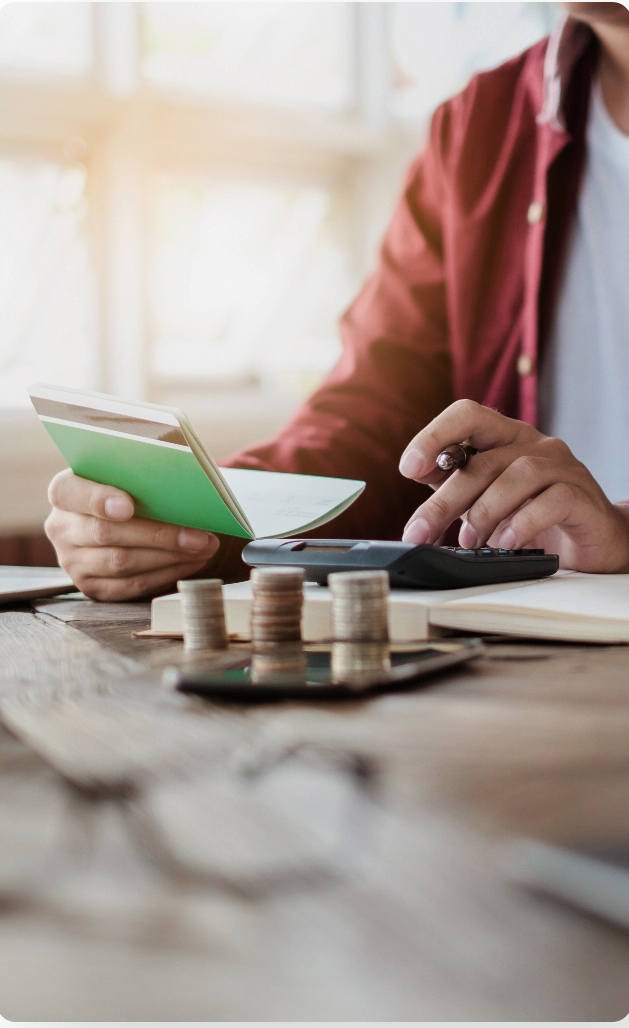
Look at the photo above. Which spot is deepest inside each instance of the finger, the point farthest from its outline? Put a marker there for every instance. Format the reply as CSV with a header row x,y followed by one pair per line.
x,y
68,529
522,480
458,493
555,505
148,584
436,478
497,532
463,421
125,562
69,492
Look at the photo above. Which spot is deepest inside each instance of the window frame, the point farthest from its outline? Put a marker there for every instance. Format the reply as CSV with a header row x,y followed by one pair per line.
x,y
126,129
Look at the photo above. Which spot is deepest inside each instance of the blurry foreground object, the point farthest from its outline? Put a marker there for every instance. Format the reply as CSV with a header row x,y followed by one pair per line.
x,y
288,850
595,879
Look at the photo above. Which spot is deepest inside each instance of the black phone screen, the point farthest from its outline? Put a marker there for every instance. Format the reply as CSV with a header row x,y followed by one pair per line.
x,y
341,671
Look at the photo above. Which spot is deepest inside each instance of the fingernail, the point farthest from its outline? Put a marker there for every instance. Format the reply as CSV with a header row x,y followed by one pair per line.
x,y
417,532
467,537
191,539
119,508
412,464
507,540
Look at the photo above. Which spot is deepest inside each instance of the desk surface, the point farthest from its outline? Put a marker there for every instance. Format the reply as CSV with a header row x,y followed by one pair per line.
x,y
166,859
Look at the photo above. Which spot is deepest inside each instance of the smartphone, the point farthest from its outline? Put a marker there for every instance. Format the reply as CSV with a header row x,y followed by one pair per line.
x,y
336,671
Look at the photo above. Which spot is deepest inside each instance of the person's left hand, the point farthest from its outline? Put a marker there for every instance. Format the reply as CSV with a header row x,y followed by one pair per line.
x,y
523,489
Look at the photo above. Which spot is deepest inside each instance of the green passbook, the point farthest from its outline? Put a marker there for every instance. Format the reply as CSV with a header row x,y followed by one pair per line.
x,y
154,454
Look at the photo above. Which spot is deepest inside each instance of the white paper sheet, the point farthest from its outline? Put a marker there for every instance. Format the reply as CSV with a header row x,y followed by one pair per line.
x,y
280,504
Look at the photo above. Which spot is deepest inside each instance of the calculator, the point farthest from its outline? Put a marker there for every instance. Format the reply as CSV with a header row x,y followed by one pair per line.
x,y
409,566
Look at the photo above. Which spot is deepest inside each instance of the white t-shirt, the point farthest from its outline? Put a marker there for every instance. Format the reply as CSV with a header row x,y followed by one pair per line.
x,y
584,377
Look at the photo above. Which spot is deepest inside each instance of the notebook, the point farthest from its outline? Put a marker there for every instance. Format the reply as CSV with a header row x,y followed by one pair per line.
x,y
409,611
568,606
154,454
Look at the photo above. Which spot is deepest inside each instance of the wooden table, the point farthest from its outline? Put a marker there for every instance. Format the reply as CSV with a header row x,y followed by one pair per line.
x,y
165,859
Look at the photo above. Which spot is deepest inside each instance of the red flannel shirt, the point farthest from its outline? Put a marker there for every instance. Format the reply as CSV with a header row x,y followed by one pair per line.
x,y
464,289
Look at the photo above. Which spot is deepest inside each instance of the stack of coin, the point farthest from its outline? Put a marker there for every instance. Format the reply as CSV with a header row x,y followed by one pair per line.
x,y
354,661
203,614
360,605
278,598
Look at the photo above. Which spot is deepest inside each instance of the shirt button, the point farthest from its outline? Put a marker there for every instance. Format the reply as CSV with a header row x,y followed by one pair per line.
x,y
525,364
535,212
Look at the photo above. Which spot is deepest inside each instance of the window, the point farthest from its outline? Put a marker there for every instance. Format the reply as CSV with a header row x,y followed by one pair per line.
x,y
289,54
437,47
46,288
247,276
42,37
190,193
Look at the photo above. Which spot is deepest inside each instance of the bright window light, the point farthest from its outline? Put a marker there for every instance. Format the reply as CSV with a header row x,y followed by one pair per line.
x,y
46,37
289,54
238,274
247,276
46,291
436,47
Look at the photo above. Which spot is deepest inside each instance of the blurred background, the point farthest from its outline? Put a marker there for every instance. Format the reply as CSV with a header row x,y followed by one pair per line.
x,y
191,194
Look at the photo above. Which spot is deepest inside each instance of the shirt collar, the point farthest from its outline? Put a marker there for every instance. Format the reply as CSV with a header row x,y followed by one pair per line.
x,y
565,46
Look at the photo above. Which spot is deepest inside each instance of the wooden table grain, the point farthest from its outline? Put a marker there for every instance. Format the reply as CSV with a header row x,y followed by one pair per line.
x,y
167,859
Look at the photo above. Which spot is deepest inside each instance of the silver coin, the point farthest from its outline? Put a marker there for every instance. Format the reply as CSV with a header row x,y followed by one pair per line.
x,y
196,585
360,605
359,583
277,578
203,614
273,629
277,604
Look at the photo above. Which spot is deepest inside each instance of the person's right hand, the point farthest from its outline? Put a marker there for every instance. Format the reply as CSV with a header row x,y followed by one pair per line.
x,y
112,555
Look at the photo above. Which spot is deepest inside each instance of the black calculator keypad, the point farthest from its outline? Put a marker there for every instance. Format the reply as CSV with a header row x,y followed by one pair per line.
x,y
414,567
490,551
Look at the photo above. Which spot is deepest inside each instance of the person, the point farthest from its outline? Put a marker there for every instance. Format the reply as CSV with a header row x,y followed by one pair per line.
x,y
498,314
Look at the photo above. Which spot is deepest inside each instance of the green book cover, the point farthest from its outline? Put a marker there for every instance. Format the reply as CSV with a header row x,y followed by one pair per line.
x,y
153,453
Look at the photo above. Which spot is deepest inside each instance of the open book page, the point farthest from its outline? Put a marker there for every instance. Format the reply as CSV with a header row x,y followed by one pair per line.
x,y
278,504
212,470
570,605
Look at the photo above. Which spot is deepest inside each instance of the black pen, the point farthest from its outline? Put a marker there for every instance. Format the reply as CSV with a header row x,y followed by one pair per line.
x,y
456,455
